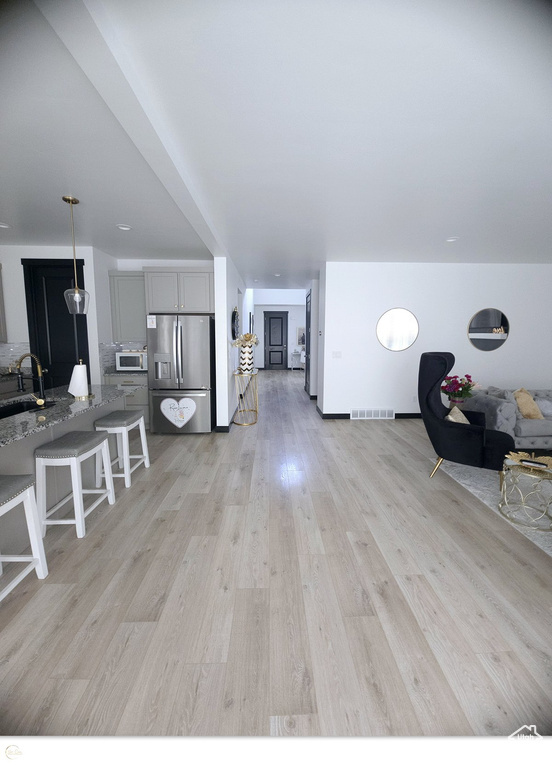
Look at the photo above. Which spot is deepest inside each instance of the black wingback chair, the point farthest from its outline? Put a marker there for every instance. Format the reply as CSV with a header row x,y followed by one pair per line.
x,y
469,444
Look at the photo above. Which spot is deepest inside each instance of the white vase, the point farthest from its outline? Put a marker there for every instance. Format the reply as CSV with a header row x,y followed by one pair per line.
x,y
246,359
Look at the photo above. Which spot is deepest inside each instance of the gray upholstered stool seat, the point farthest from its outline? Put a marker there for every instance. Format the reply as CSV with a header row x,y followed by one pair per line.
x,y
71,450
120,423
71,445
15,490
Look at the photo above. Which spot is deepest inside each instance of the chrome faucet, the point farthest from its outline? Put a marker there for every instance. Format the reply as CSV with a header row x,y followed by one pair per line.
x,y
39,374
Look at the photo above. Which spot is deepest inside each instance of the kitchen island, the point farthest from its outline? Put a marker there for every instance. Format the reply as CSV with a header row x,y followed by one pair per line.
x,y
22,433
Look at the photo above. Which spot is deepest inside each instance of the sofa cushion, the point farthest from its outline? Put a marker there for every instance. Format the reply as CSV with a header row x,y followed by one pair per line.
x,y
545,406
504,394
527,406
533,428
455,414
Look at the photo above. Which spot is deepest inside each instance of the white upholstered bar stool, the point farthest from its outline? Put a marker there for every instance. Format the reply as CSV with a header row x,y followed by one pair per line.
x,y
15,490
70,451
120,423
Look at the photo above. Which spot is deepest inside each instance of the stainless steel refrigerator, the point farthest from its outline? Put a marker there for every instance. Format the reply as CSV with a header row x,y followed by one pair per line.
x,y
181,373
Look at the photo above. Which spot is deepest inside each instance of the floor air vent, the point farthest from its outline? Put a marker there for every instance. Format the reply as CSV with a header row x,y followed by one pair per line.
x,y
372,413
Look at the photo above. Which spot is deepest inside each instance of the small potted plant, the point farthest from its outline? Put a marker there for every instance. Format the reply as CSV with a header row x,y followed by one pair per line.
x,y
458,389
245,343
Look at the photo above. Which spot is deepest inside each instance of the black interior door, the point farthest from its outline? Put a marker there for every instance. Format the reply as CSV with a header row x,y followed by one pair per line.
x,y
275,335
57,338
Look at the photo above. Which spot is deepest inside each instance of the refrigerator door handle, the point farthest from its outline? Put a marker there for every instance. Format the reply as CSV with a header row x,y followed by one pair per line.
x,y
180,354
176,351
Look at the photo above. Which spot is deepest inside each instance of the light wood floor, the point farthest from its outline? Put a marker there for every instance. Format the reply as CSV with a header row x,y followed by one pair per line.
x,y
299,577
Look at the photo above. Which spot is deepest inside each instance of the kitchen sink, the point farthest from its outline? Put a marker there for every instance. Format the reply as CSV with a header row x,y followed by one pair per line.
x,y
12,409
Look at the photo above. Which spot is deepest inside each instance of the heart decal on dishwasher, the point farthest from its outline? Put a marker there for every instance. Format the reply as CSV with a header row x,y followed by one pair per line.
x,y
178,413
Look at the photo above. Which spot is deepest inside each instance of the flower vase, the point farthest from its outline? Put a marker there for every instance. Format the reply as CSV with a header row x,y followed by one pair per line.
x,y
456,401
246,359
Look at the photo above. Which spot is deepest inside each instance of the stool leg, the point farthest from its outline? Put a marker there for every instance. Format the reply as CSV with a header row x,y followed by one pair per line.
x,y
98,471
78,501
121,450
126,456
106,458
142,427
37,547
40,483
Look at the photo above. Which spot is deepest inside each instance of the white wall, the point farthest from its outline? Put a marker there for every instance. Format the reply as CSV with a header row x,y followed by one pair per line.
x,y
279,296
315,311
358,372
229,292
321,339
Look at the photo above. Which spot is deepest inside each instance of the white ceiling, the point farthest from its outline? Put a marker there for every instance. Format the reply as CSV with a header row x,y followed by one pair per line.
x,y
281,133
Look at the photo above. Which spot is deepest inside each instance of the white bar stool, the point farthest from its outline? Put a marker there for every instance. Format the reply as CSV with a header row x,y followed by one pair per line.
x,y
70,451
15,490
120,423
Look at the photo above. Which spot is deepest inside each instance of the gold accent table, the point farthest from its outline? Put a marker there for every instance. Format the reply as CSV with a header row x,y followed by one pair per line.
x,y
526,498
248,398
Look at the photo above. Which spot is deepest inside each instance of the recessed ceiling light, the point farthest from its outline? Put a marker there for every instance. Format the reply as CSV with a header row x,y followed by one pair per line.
x,y
123,227
452,239
4,226
276,274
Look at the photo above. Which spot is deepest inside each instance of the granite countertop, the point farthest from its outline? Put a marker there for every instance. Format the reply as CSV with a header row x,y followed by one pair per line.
x,y
17,427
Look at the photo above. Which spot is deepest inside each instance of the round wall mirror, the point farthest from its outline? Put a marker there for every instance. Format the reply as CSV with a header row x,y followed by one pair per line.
x,y
397,329
488,329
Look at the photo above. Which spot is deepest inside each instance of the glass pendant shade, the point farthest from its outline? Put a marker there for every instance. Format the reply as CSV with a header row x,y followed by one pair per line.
x,y
75,298
77,301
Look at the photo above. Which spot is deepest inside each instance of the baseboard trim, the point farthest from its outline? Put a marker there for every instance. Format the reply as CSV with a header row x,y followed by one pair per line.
x,y
333,415
408,415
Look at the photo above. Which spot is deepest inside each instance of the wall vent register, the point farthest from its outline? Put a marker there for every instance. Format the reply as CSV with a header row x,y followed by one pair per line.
x,y
372,413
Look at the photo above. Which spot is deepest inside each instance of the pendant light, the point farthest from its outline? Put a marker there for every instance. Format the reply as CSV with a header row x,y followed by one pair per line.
x,y
76,299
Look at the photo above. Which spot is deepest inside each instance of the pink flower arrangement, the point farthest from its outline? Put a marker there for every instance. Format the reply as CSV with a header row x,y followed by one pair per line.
x,y
456,388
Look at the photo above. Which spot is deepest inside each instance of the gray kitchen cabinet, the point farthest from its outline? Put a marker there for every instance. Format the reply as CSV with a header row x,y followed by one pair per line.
x,y
128,306
133,400
179,291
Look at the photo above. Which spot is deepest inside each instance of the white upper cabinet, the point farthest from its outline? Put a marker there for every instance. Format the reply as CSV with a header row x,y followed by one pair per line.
x,y
179,291
128,306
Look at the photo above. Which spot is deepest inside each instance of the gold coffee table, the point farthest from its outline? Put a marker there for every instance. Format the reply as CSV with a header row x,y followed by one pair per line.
x,y
526,497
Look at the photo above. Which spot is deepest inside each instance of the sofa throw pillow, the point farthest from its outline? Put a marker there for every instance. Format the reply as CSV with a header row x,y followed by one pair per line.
x,y
456,415
545,406
504,394
527,406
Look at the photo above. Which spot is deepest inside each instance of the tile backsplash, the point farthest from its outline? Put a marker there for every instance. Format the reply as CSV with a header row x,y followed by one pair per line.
x,y
12,351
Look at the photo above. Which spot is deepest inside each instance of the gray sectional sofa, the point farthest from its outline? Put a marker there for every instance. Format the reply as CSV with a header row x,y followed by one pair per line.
x,y
502,413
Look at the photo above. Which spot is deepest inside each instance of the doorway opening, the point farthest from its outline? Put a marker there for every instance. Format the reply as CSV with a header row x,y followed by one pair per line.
x,y
58,339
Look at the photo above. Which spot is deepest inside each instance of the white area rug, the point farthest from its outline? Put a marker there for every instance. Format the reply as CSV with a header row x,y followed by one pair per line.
x,y
483,483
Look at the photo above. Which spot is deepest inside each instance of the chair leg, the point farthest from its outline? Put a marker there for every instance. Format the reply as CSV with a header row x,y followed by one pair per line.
x,y
145,451
78,498
501,479
35,534
436,467
40,485
108,477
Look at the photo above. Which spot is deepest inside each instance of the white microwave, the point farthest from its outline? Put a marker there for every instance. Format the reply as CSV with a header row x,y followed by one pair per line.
x,y
131,360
